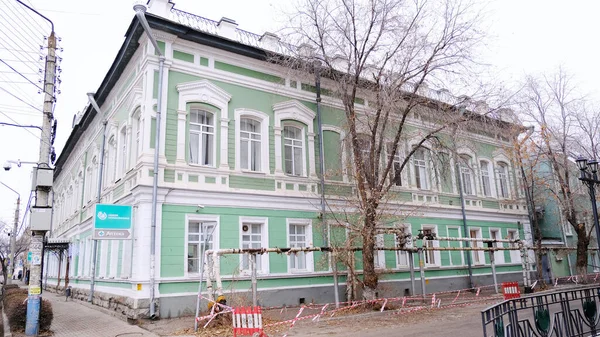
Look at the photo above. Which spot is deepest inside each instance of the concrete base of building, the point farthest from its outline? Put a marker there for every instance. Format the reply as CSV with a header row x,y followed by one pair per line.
x,y
177,306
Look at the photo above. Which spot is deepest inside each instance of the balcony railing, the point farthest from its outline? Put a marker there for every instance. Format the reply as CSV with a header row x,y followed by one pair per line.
x,y
558,314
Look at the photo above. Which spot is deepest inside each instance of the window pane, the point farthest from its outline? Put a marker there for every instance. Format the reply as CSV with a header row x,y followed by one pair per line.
x,y
289,162
298,161
244,154
194,148
208,149
255,157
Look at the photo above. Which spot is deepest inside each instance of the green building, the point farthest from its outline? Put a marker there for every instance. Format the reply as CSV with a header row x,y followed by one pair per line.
x,y
239,153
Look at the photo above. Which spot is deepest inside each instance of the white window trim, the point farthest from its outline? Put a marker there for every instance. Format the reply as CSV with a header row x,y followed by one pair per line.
x,y
214,134
498,255
263,118
497,160
380,254
303,138
200,218
310,266
122,162
515,255
472,173
294,110
491,178
479,253
409,244
264,242
436,243
343,151
460,244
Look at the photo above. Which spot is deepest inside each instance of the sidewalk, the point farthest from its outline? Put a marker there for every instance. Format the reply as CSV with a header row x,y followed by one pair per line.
x,y
76,319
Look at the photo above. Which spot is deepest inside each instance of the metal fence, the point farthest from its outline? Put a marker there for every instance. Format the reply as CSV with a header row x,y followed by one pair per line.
x,y
558,314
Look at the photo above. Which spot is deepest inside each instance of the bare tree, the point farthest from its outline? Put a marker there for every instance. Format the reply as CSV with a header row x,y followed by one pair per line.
x,y
552,103
380,58
21,246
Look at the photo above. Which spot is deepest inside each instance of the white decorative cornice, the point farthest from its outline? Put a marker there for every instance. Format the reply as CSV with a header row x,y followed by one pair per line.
x,y
293,109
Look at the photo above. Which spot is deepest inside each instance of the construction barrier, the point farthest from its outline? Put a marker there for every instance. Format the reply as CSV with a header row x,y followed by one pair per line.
x,y
247,321
511,290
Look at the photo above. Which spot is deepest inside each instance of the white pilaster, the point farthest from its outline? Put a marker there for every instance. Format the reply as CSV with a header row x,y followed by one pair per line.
x,y
224,142
181,121
278,159
311,155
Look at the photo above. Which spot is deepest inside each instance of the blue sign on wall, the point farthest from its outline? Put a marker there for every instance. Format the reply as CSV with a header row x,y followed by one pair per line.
x,y
112,222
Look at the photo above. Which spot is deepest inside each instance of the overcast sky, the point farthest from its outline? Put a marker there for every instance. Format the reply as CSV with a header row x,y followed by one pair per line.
x,y
525,36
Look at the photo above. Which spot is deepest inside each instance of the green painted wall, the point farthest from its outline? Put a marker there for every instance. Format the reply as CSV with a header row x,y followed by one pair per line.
x,y
179,55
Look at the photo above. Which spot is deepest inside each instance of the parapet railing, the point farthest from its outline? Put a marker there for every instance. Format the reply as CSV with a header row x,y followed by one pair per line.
x,y
558,314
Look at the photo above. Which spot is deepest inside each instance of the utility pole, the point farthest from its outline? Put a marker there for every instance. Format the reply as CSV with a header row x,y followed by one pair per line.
x,y
13,243
41,213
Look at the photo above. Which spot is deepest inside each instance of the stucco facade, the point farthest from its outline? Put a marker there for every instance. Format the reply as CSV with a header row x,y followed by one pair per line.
x,y
239,150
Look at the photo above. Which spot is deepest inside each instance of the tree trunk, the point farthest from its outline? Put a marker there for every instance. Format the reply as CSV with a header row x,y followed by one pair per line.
x,y
583,242
370,278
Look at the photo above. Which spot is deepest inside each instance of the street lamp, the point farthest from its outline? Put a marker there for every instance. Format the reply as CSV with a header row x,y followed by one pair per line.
x,y
589,176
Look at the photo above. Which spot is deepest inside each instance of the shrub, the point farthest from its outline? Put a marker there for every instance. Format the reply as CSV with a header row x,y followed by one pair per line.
x,y
15,304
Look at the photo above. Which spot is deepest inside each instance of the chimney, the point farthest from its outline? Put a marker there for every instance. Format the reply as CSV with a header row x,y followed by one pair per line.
x,y
270,41
227,28
160,8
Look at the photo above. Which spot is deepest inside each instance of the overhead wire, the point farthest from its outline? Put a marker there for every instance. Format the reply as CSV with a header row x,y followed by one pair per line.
x,y
16,71
34,19
17,97
14,121
29,97
29,27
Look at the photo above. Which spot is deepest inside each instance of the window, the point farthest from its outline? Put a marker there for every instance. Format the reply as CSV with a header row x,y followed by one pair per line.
x,y
299,235
198,232
568,229
379,255
432,257
420,166
293,148
395,174
466,174
503,179
405,241
138,137
254,236
515,255
122,152
202,137
250,144
486,186
110,161
498,255
476,255
364,146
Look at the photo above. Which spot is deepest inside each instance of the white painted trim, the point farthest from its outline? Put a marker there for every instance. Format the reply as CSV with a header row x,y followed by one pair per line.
x,y
264,221
342,133
480,254
436,243
491,176
409,243
294,110
515,255
380,254
202,218
462,255
263,118
310,265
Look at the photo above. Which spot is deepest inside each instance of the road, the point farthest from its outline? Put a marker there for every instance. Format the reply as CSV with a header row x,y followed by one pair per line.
x,y
461,321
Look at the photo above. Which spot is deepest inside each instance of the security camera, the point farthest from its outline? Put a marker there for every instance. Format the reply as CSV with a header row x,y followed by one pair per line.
x,y
7,166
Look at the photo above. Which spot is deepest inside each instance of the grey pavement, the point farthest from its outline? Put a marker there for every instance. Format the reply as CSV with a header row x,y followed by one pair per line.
x,y
77,319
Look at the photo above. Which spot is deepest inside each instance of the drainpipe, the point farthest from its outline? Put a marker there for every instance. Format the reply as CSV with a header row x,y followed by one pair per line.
x,y
464,221
140,11
99,196
325,239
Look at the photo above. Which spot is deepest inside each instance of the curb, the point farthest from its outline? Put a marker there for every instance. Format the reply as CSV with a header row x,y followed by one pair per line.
x,y
7,332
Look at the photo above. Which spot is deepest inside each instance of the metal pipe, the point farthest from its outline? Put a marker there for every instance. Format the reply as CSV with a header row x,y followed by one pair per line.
x,y
444,238
464,223
411,265
336,284
140,11
493,264
254,282
99,196
422,272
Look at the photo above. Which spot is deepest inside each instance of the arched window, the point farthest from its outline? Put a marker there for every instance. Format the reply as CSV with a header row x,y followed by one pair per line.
x,y
466,174
137,125
486,186
503,180
122,169
202,137
395,173
421,168
364,146
250,144
293,149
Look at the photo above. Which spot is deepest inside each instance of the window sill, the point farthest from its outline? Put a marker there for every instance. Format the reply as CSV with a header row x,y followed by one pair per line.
x,y
300,272
202,166
256,173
